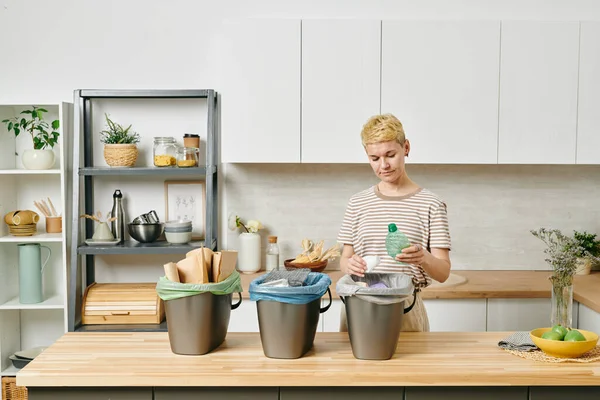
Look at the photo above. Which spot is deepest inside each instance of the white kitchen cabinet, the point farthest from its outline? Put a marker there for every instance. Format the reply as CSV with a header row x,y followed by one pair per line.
x,y
440,78
331,319
456,315
538,92
340,87
23,326
588,114
589,319
244,318
260,91
520,314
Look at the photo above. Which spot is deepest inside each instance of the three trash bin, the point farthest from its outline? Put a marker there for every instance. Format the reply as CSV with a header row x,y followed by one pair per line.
x,y
374,314
198,314
288,316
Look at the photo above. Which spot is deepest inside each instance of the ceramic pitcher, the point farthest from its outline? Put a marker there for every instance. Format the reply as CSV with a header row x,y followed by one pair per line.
x,y
30,272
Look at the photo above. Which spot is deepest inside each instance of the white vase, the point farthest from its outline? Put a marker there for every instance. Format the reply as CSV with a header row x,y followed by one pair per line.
x,y
38,159
249,253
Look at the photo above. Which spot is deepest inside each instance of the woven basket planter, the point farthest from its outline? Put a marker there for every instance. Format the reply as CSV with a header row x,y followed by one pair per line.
x,y
120,155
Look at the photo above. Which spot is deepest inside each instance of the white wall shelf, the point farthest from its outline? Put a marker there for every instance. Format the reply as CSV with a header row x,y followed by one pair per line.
x,y
42,237
23,326
53,302
29,171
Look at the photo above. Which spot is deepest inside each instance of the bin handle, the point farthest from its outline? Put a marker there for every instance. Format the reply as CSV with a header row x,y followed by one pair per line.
x,y
406,310
322,310
236,305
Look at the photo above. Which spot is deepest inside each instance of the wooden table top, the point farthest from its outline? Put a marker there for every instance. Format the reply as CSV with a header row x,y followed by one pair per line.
x,y
433,358
493,284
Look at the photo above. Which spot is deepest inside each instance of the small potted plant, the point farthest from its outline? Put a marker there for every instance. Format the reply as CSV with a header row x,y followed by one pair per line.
x,y
120,145
43,135
588,251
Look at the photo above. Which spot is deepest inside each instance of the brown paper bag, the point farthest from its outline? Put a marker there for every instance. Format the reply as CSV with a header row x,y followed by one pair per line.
x,y
208,259
228,259
171,272
216,266
190,271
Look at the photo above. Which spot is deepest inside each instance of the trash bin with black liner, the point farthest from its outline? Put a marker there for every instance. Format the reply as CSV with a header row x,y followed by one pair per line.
x,y
374,312
198,314
289,306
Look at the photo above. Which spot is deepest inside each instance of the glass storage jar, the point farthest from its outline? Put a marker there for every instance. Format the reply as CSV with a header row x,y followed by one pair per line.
x,y
187,157
165,151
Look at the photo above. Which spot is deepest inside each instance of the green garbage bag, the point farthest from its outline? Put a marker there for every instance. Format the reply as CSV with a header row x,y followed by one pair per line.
x,y
169,290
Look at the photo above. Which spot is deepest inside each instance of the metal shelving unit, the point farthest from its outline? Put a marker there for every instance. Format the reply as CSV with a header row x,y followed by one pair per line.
x,y
82,256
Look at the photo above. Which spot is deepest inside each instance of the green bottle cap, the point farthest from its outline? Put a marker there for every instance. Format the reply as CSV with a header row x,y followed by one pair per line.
x,y
392,228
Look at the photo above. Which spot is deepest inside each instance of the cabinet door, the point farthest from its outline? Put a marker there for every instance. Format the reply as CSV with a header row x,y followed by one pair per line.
x,y
340,87
588,140
441,80
520,314
538,92
260,91
456,315
244,318
589,319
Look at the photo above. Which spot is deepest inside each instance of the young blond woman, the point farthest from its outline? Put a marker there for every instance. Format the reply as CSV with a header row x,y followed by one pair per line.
x,y
417,212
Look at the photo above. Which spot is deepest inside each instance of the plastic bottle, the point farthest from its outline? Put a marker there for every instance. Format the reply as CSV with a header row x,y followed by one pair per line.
x,y
395,241
118,225
272,254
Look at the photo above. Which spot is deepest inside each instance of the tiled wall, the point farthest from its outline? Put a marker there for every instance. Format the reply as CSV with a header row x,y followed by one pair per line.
x,y
491,208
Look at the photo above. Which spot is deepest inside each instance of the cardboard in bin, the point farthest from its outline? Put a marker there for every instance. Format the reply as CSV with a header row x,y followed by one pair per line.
x,y
201,266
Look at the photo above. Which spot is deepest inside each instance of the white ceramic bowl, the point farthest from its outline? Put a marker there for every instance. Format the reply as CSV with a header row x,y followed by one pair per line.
x,y
178,224
178,237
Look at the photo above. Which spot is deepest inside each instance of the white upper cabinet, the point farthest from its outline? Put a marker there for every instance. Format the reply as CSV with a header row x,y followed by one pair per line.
x,y
340,87
588,137
440,78
260,91
538,92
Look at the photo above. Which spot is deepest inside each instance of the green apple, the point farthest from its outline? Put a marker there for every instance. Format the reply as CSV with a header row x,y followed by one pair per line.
x,y
551,335
561,330
574,336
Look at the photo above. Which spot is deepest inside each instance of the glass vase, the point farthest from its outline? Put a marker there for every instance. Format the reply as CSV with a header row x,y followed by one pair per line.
x,y
562,303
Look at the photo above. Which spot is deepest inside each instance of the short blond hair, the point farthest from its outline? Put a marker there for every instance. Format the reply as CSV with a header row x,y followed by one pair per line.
x,y
382,128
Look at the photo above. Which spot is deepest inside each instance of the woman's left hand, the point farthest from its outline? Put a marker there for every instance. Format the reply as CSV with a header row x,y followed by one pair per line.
x,y
414,254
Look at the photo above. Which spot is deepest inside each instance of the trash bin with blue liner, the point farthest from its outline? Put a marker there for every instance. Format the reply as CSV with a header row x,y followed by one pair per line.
x,y
374,314
198,314
288,315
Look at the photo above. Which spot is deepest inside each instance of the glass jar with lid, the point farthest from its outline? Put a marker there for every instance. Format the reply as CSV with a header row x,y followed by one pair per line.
x,y
165,150
187,157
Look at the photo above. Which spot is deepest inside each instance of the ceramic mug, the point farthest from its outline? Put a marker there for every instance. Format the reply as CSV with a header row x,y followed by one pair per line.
x,y
53,224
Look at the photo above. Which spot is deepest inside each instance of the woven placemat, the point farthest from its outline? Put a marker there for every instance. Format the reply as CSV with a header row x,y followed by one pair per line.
x,y
538,355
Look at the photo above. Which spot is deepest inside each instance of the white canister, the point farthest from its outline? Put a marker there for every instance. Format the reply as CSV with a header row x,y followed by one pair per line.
x,y
249,253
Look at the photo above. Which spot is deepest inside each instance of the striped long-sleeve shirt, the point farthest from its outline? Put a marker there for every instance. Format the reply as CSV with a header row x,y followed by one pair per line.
x,y
420,215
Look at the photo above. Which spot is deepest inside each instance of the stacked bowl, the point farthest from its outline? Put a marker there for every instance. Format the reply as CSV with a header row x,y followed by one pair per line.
x,y
178,232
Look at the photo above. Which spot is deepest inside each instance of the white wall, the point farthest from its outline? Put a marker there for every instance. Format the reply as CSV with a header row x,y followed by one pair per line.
x,y
48,49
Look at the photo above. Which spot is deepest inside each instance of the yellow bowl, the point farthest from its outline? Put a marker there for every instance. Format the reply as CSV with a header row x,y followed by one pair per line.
x,y
560,349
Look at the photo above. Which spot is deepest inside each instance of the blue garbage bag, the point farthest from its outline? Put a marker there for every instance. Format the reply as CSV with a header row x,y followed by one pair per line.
x,y
315,286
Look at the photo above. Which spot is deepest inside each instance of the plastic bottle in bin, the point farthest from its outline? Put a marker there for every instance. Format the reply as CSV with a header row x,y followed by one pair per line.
x,y
272,254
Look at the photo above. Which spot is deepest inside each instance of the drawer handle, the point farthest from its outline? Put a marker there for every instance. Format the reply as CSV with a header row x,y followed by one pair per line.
x,y
119,312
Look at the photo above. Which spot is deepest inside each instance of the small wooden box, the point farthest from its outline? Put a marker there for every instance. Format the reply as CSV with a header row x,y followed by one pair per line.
x,y
122,303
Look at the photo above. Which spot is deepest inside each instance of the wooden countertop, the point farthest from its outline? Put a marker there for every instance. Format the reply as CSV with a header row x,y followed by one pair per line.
x,y
434,358
493,284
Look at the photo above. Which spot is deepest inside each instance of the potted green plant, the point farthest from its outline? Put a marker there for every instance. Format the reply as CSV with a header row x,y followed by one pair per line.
x,y
120,144
588,251
44,137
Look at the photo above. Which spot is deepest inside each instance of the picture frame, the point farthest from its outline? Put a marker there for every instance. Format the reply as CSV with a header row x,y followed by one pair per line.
x,y
186,200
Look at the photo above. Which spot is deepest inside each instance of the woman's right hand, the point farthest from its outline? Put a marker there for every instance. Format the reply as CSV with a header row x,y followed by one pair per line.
x,y
355,265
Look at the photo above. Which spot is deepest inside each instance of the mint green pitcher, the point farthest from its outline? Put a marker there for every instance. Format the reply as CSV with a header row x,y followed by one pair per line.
x,y
31,269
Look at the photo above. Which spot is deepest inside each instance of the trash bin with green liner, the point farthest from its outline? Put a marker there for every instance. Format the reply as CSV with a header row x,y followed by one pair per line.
x,y
198,314
288,316
374,313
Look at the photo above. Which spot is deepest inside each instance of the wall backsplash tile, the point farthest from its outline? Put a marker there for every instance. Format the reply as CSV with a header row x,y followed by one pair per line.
x,y
491,208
